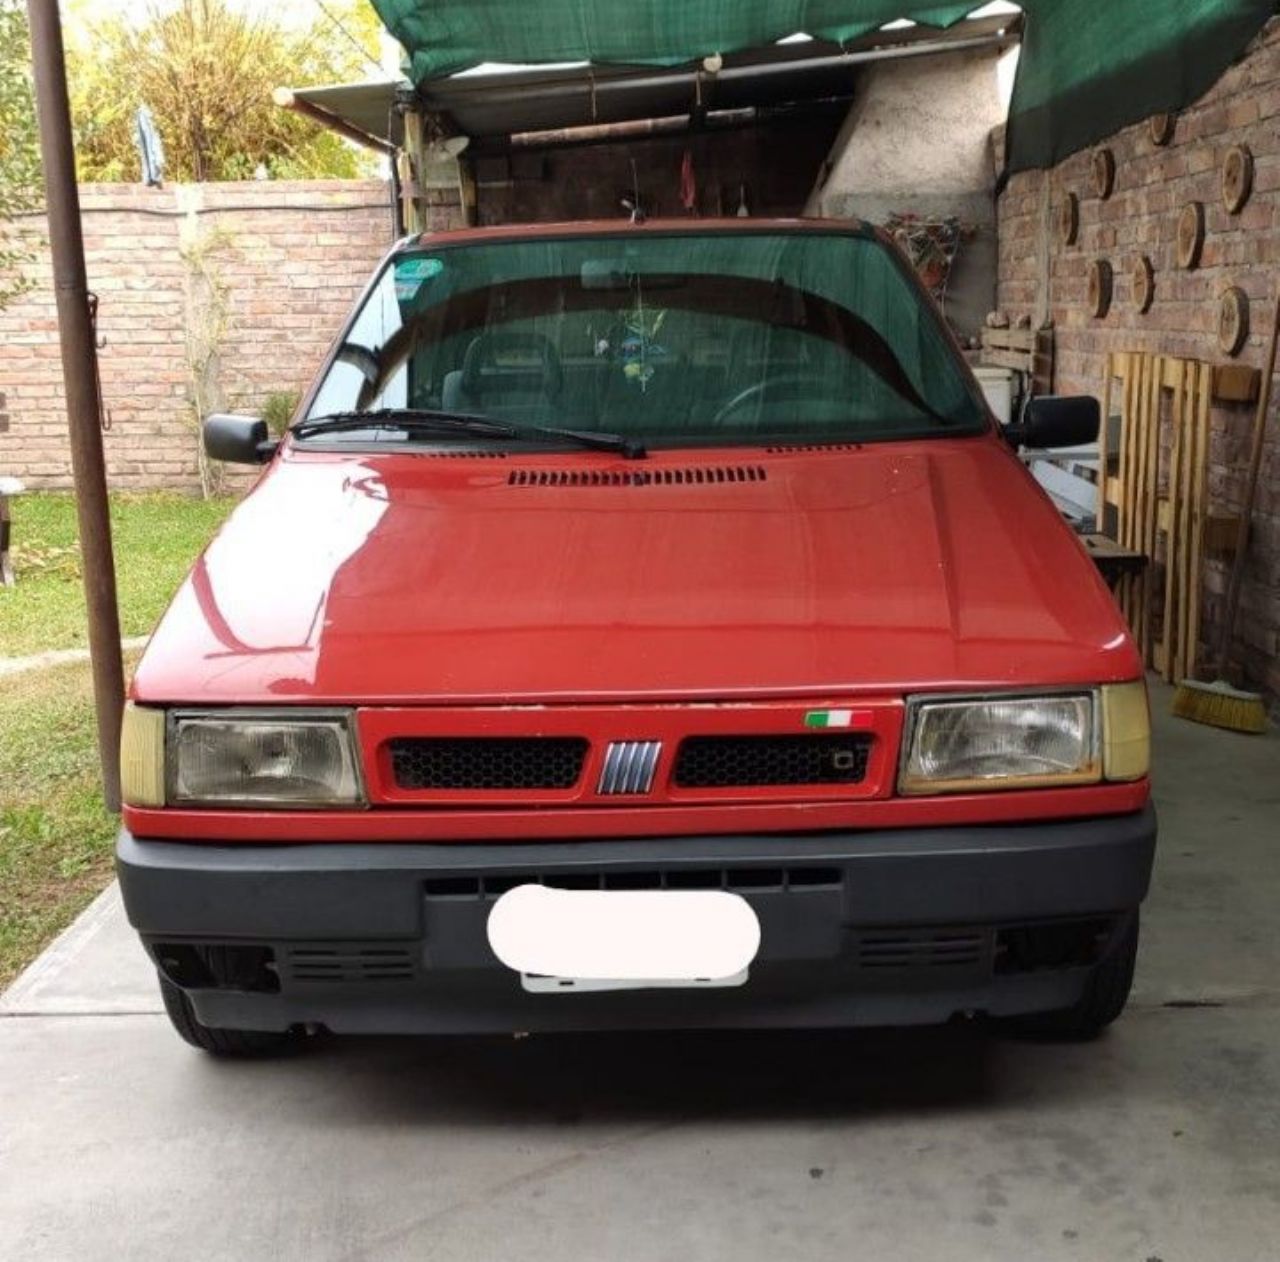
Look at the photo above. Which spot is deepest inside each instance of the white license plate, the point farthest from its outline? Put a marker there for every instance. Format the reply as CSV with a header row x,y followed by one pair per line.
x,y
565,941
536,984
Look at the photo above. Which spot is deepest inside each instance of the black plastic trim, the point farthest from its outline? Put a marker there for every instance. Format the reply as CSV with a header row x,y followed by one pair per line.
x,y
954,875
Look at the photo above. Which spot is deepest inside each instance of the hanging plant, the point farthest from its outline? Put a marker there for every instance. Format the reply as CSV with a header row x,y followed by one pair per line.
x,y
931,245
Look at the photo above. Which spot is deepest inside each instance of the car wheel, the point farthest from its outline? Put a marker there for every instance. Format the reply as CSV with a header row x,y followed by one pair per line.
x,y
218,1042
1104,998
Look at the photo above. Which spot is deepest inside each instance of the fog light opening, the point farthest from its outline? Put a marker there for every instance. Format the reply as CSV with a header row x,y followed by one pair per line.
x,y
1053,945
218,966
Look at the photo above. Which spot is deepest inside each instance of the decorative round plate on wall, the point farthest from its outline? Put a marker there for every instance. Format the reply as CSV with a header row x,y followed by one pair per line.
x,y
1237,178
1233,321
1161,128
1100,285
1069,220
1103,173
1144,284
1191,235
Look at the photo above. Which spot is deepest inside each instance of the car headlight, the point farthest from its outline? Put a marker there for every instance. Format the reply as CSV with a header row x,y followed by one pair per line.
x,y
258,759
967,745
240,758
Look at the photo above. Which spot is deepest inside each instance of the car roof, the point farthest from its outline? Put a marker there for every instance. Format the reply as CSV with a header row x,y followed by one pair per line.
x,y
624,227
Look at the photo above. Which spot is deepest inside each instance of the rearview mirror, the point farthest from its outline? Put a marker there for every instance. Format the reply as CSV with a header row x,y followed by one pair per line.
x,y
237,439
1057,421
619,274
605,274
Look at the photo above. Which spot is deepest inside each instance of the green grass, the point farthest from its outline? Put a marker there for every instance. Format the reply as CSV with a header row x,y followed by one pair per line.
x,y
157,536
55,835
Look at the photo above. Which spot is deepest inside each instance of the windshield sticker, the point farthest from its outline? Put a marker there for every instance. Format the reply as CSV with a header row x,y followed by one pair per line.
x,y
412,274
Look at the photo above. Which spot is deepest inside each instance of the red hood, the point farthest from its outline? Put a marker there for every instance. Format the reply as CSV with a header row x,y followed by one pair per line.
x,y
409,578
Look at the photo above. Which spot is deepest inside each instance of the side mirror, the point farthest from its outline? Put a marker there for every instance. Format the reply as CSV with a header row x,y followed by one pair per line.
x,y
237,439
1057,421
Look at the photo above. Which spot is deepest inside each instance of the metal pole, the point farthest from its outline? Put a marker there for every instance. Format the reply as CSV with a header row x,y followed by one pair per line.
x,y
79,374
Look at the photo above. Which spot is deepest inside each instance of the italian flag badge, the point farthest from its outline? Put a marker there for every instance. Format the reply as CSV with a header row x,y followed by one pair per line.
x,y
829,718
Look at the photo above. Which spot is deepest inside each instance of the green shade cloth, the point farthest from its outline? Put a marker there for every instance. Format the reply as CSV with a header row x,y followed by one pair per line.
x,y
1089,67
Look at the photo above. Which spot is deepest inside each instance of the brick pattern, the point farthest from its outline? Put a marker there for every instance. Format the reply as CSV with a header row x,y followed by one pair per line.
x,y
1152,185
283,262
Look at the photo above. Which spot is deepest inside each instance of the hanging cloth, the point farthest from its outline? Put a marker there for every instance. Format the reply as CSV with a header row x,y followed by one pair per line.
x,y
688,183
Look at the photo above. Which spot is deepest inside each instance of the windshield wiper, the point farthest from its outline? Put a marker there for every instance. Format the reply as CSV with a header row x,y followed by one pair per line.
x,y
439,422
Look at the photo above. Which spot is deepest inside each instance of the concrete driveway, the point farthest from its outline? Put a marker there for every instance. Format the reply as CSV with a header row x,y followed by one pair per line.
x,y
1160,1141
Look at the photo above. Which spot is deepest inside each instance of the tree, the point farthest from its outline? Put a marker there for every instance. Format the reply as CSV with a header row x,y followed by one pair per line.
x,y
206,72
19,157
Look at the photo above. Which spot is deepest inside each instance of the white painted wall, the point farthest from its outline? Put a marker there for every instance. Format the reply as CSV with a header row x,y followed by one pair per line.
x,y
918,138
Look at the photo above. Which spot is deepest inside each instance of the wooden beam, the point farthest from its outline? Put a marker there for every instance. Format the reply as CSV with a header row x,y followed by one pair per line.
x,y
287,99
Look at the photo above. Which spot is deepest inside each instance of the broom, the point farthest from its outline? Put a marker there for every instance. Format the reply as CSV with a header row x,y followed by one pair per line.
x,y
1219,704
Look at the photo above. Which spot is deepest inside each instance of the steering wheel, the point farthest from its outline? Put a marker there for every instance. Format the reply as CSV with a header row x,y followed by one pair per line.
x,y
790,385
484,350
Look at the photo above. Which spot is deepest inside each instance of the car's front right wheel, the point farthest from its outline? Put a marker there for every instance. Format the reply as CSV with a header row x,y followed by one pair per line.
x,y
220,1042
1104,998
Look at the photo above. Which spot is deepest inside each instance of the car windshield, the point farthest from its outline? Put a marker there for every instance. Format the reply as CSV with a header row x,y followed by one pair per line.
x,y
670,338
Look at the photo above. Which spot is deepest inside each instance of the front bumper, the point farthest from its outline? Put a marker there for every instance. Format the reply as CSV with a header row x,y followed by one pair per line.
x,y
870,928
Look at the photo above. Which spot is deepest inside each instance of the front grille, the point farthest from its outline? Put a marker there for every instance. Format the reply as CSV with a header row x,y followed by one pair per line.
x,y
776,880
350,962
715,762
922,948
487,762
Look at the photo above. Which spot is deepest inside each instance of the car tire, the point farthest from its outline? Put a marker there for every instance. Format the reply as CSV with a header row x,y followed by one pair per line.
x,y
218,1042
1104,998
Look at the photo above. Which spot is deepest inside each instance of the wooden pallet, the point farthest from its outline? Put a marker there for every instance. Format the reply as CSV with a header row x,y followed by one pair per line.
x,y
1114,562
1154,496
1028,351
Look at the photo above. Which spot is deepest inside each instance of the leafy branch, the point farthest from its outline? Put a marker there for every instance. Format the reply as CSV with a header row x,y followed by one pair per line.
x,y
19,157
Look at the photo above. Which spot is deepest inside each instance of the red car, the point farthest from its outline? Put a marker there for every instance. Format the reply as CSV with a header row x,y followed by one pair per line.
x,y
642,625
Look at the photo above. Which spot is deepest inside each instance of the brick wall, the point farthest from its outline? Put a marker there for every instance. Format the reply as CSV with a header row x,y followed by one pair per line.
x,y
210,294
1038,276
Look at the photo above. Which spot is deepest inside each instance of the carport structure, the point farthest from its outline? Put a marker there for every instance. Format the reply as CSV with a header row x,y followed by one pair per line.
x,y
777,108
1088,67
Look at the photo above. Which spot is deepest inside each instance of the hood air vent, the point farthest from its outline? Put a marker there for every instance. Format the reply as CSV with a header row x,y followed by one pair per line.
x,y
464,453
696,475
792,448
